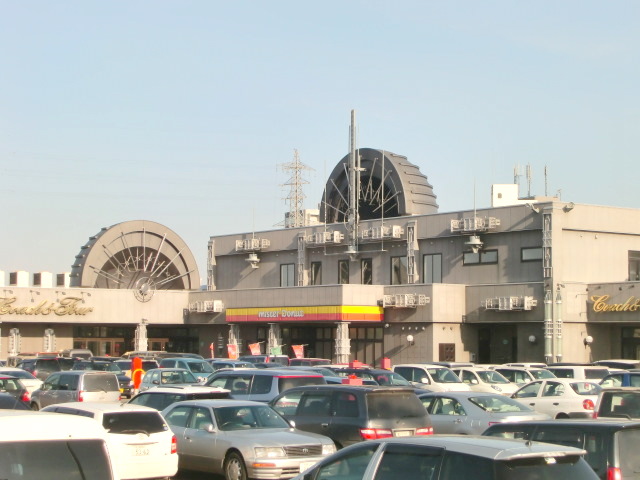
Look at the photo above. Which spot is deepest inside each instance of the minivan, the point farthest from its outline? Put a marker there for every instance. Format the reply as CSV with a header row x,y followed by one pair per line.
x,y
436,378
201,369
262,384
76,386
36,446
349,414
579,372
611,445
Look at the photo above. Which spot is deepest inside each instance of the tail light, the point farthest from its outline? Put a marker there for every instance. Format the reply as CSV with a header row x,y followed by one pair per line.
x,y
80,396
614,473
374,433
588,404
424,431
25,397
595,414
174,444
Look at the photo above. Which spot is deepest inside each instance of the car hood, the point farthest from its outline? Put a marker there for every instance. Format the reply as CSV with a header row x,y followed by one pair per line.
x,y
276,436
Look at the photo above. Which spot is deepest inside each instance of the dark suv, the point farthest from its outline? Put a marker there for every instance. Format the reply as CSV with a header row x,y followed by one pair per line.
x,y
349,414
611,445
42,367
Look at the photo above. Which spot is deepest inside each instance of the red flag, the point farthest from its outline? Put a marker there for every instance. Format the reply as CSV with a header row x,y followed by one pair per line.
x,y
232,350
298,350
254,348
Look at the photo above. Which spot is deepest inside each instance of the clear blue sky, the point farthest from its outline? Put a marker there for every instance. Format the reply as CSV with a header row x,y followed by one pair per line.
x,y
181,112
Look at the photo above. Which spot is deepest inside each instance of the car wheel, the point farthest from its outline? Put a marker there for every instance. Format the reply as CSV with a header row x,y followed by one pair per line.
x,y
34,407
562,415
234,468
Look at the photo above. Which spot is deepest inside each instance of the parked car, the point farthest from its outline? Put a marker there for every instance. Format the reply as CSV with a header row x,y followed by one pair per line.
x,y
167,376
523,375
527,365
470,413
262,384
10,402
218,363
560,397
329,375
36,445
14,387
42,367
621,363
579,372
125,365
161,397
242,439
350,414
435,378
453,457
611,445
376,376
201,369
76,386
126,385
83,353
309,362
483,380
142,445
281,359
622,402
618,379
30,382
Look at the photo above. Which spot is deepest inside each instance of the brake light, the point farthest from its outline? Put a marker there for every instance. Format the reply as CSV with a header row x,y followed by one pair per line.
x,y
595,414
25,397
588,404
374,433
614,473
424,431
80,396
174,444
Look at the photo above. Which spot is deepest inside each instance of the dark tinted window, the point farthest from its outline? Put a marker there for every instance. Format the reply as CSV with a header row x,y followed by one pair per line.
x,y
70,460
595,373
459,466
96,383
285,383
629,446
565,468
133,422
261,384
394,405
516,431
68,382
351,464
410,462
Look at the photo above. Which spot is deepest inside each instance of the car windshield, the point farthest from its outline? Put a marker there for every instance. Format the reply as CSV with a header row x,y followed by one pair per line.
x,y
498,404
248,418
539,373
489,376
396,405
200,367
134,422
443,375
391,378
177,376
586,388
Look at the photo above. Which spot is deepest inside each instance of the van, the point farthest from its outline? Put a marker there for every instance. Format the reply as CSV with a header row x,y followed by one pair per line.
x,y
435,378
83,353
579,372
36,446
76,386
262,384
611,445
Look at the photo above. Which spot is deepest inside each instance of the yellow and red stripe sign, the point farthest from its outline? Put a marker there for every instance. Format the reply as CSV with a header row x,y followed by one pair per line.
x,y
337,313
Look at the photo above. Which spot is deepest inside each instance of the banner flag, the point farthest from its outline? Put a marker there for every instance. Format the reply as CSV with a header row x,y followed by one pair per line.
x,y
298,350
276,350
232,350
254,348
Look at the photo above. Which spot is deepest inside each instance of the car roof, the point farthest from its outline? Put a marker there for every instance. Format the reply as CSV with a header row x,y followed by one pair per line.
x,y
280,372
422,365
465,394
184,389
223,402
103,407
567,381
496,448
354,388
590,424
18,425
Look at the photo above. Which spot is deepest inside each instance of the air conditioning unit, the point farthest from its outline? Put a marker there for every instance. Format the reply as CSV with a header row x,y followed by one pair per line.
x,y
252,244
509,304
474,224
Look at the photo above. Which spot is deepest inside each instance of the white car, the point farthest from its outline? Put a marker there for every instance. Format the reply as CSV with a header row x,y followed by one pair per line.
x,y
30,382
141,443
560,397
483,380
431,377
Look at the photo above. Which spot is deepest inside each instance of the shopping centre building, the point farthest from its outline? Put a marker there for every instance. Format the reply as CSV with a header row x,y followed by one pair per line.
x,y
384,274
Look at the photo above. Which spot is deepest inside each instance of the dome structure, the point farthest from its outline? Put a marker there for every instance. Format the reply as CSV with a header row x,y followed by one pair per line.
x,y
390,186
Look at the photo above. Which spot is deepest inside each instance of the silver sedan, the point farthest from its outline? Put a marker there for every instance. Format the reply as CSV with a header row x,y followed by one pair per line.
x,y
242,439
471,413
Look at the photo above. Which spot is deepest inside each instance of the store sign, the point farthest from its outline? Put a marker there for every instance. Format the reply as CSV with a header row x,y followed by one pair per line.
x,y
601,304
333,313
67,306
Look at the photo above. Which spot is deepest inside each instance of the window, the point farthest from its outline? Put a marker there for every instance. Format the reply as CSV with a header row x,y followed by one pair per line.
x,y
316,273
398,270
634,266
483,256
432,268
343,271
366,266
287,275
531,254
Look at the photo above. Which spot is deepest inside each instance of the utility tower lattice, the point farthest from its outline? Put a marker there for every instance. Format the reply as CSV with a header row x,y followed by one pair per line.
x,y
296,217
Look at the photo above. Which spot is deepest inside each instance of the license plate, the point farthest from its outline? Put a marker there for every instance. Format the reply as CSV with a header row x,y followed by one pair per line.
x,y
141,451
305,465
402,433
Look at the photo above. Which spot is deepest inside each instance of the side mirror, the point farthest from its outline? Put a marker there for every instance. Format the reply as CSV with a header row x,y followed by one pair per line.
x,y
156,382
209,428
292,423
474,381
425,380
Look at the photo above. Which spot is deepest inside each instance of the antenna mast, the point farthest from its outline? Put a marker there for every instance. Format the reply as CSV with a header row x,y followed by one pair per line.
x,y
354,187
296,216
529,180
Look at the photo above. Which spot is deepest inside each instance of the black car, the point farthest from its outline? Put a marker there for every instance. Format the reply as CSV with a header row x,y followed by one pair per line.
x,y
124,381
42,367
611,446
349,414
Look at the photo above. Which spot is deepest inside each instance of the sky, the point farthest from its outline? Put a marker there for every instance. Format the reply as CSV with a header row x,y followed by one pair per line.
x,y
184,112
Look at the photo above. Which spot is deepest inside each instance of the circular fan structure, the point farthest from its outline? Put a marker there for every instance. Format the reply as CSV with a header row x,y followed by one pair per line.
x,y
390,186
138,255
